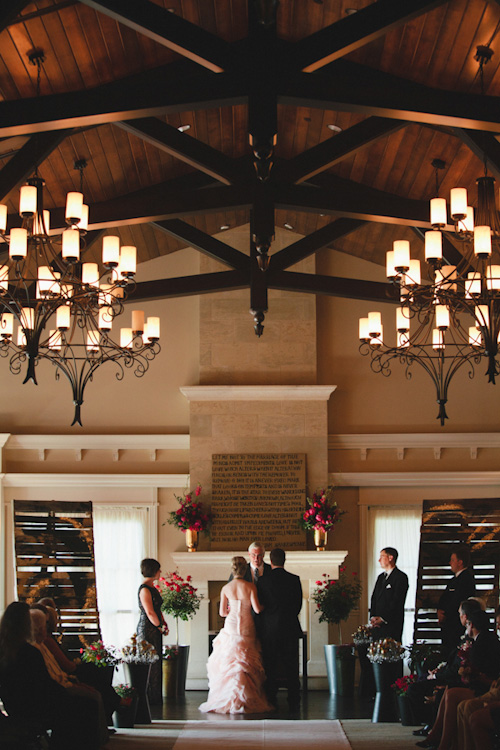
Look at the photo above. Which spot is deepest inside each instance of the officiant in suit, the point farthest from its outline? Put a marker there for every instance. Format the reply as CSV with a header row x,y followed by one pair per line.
x,y
280,593
387,605
256,568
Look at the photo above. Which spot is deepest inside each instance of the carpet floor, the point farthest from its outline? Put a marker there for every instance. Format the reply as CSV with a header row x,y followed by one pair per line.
x,y
232,733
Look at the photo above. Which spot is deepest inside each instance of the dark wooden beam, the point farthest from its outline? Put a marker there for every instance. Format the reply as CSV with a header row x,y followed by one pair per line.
x,y
21,165
372,291
186,286
170,88
353,32
312,243
9,10
338,147
482,144
351,87
160,202
206,244
335,196
169,30
183,147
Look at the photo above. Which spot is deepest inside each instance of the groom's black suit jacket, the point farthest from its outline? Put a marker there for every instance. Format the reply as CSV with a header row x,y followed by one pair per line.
x,y
388,602
280,592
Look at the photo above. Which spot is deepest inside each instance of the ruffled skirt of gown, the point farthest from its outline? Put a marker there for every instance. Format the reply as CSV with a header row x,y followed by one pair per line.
x,y
235,672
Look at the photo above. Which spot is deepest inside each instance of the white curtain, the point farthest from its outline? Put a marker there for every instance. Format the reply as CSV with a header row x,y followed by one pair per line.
x,y
399,528
120,543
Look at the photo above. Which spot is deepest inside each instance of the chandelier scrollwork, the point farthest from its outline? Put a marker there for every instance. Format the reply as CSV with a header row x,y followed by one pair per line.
x,y
57,305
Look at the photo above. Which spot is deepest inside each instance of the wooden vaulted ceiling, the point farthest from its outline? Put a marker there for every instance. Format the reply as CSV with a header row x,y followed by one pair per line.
x,y
260,84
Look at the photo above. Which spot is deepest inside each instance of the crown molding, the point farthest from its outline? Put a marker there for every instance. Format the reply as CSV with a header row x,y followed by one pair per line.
x,y
95,480
417,479
258,392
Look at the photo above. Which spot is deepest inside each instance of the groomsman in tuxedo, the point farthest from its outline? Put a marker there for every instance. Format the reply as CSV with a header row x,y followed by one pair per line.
x,y
460,587
279,629
387,606
256,568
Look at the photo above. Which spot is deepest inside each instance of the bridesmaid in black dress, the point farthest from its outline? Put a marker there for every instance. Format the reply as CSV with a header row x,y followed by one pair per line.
x,y
151,624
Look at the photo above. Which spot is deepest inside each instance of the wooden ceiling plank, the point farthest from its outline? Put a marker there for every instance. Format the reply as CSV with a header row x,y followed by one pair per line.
x,y
306,246
351,87
185,286
354,31
333,286
147,94
183,147
170,30
205,243
21,166
338,147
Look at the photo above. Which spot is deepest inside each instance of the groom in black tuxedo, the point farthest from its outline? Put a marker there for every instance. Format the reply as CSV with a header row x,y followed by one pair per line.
x,y
279,629
387,606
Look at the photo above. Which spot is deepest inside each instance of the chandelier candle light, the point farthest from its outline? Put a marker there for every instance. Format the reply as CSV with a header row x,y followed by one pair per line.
x,y
452,318
58,306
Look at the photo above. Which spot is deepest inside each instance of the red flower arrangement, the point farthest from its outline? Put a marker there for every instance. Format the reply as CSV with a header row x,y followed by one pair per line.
x,y
323,512
403,683
191,514
179,598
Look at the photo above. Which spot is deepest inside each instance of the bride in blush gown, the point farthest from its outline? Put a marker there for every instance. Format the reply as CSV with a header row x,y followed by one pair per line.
x,y
235,672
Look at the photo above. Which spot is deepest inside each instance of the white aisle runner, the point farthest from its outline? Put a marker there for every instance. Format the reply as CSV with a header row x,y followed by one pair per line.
x,y
262,734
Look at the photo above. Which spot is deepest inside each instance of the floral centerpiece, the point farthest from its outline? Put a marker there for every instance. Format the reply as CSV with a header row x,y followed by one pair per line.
x,y
403,683
126,692
321,515
139,652
335,599
385,650
179,598
362,636
100,655
191,515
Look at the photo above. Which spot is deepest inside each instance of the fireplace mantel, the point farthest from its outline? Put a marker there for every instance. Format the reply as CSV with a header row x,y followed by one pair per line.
x,y
215,566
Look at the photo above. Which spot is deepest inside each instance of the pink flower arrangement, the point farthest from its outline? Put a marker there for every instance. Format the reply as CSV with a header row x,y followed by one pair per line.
x,y
322,513
191,514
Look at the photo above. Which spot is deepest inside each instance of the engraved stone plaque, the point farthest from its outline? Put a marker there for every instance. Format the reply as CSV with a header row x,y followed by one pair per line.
x,y
258,496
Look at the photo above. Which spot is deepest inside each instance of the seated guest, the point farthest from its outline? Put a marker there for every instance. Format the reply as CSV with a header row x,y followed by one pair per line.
x,y
474,717
480,666
431,686
90,700
28,693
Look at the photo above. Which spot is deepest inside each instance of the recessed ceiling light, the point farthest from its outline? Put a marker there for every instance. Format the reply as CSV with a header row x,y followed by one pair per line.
x,y
223,227
334,128
183,128
288,226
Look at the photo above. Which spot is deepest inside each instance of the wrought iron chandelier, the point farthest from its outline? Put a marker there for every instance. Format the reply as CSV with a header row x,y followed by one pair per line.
x,y
451,319
57,306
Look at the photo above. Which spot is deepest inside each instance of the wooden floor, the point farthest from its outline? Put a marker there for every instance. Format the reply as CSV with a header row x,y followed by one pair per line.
x,y
315,704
